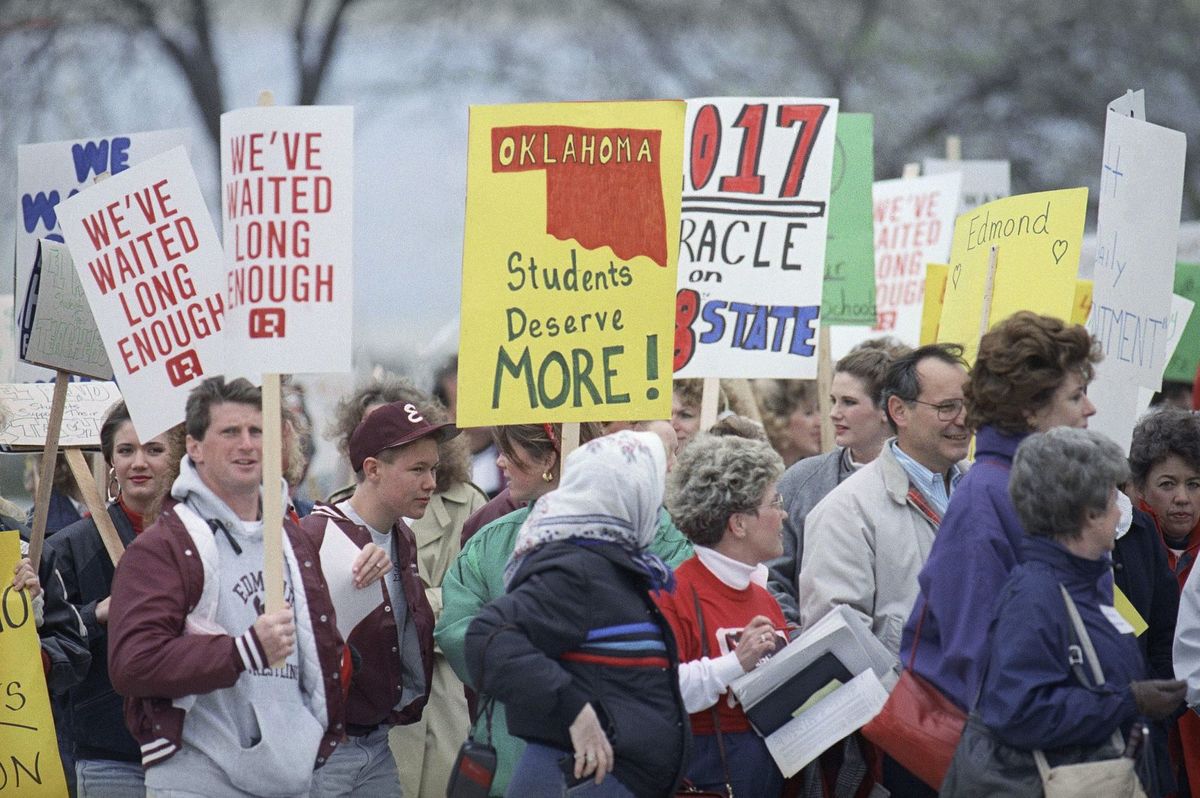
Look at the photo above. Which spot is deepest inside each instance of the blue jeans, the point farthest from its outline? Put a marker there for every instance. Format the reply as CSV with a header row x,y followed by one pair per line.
x,y
109,778
752,770
362,767
538,775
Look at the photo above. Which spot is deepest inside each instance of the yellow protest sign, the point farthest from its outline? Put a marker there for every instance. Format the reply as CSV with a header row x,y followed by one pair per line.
x,y
29,763
1083,302
931,309
1037,238
569,262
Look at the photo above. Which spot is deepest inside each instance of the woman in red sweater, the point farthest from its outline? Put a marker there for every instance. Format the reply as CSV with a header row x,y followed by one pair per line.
x,y
722,495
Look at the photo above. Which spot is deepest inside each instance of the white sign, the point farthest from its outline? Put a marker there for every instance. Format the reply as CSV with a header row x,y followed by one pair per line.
x,y
287,195
49,173
914,226
754,217
1141,194
25,411
151,264
62,332
982,181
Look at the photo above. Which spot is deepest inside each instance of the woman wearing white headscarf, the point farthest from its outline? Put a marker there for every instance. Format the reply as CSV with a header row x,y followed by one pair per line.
x,y
577,650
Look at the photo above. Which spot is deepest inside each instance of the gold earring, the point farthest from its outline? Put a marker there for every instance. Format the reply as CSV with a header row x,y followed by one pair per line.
x,y
547,476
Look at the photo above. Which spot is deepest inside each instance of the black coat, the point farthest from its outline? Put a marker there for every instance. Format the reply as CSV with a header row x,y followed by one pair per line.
x,y
95,715
1141,571
579,626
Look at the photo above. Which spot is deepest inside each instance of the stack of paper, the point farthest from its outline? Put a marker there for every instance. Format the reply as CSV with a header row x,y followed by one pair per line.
x,y
821,687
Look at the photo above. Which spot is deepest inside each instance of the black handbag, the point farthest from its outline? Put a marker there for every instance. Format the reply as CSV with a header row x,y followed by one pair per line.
x,y
475,766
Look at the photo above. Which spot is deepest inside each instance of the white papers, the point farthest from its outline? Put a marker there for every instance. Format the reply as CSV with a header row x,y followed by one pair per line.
x,y
846,635
847,709
349,602
841,632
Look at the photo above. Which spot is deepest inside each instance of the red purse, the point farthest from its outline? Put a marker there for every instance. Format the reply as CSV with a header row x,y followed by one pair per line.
x,y
918,727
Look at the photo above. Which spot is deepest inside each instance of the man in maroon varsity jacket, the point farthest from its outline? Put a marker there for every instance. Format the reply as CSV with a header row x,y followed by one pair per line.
x,y
224,699
394,453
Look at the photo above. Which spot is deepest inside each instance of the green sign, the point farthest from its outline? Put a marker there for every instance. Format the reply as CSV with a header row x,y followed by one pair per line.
x,y
849,293
1182,365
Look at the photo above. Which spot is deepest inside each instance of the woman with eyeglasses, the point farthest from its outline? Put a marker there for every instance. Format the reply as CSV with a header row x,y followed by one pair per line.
x,y
1031,375
723,496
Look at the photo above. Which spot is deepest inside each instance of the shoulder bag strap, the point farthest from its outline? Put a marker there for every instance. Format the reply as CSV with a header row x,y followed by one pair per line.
x,y
1089,651
1085,641
716,716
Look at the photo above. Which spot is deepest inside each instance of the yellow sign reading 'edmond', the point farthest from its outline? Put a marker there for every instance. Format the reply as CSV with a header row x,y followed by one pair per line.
x,y
1037,239
569,260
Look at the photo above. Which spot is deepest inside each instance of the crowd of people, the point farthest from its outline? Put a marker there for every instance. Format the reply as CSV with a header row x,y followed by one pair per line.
x,y
585,612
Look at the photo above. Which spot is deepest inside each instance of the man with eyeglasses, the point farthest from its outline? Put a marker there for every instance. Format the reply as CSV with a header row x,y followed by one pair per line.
x,y
866,541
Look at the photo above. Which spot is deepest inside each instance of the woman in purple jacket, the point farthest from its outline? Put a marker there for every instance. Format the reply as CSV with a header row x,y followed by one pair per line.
x,y
1031,375
1040,691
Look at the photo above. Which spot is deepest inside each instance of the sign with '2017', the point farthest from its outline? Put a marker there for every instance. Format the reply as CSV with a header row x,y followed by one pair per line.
x,y
752,236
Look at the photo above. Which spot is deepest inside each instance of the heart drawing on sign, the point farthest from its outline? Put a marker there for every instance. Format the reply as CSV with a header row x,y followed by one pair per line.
x,y
957,272
1058,250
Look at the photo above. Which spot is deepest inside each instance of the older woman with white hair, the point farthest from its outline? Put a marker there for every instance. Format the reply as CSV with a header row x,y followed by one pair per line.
x,y
577,650
1065,674
722,494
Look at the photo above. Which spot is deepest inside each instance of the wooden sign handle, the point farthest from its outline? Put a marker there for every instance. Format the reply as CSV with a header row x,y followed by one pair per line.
x,y
272,507
569,442
911,170
825,388
95,503
710,398
46,471
989,288
953,148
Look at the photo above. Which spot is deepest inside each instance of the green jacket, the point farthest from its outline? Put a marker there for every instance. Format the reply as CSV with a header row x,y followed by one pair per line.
x,y
477,577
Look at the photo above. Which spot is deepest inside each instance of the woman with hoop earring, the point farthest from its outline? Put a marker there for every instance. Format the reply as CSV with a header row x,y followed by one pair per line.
x,y
107,759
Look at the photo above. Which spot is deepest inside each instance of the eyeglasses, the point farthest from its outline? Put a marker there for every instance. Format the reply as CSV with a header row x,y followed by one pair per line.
x,y
946,411
774,504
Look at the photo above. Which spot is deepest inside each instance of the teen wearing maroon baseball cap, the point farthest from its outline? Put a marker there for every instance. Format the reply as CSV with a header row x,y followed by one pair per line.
x,y
392,425
394,454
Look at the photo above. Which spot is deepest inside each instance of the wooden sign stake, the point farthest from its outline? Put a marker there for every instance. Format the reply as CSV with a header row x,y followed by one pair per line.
x,y
95,503
710,397
911,170
45,484
953,148
825,388
569,442
272,453
272,507
989,287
